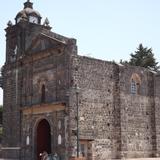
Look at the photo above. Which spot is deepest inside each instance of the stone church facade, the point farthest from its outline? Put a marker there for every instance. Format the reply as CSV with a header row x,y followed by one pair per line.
x,y
46,85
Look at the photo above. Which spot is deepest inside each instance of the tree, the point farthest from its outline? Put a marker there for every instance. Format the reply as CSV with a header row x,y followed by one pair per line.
x,y
143,57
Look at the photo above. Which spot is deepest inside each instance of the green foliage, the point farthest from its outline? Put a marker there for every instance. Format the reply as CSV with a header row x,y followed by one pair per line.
x,y
124,62
143,57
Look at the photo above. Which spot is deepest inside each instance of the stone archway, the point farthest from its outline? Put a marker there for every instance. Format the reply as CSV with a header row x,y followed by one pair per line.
x,y
43,139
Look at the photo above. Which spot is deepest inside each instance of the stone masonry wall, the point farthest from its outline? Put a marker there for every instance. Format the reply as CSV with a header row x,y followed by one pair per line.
x,y
118,123
137,114
11,134
35,57
98,105
30,122
49,71
157,111
50,68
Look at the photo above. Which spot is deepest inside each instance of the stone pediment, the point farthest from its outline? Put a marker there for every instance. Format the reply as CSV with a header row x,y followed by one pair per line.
x,y
43,43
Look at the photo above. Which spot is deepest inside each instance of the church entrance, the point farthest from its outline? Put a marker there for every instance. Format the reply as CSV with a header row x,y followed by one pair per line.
x,y
43,138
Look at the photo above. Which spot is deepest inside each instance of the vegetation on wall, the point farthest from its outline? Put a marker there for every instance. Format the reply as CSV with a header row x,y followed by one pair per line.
x,y
143,57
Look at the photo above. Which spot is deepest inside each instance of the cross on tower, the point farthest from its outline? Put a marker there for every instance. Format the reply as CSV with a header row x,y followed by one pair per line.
x,y
28,4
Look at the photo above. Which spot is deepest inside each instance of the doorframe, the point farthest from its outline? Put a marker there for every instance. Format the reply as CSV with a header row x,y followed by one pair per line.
x,y
34,150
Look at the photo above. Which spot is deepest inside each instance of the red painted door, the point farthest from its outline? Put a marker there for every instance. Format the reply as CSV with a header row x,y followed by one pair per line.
x,y
43,138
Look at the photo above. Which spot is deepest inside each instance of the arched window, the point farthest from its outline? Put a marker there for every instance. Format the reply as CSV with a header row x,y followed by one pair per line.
x,y
133,87
43,93
135,83
59,139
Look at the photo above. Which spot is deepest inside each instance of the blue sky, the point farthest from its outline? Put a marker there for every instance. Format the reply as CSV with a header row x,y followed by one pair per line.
x,y
104,29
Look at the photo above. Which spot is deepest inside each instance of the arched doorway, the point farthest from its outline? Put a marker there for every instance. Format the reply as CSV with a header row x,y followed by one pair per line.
x,y
43,138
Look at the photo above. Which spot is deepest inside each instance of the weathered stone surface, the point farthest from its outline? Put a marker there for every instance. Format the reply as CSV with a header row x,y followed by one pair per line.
x,y
45,79
121,124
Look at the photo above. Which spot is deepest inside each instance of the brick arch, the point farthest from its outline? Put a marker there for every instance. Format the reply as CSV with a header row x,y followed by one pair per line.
x,y
136,78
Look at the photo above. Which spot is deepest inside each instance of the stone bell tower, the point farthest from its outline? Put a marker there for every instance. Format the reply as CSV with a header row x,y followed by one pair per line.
x,y
35,81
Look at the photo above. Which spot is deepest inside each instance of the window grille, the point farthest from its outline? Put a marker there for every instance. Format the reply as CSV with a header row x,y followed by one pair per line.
x,y
133,87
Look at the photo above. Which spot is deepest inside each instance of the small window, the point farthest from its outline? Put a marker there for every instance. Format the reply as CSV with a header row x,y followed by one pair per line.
x,y
59,139
43,93
133,87
135,83
27,140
